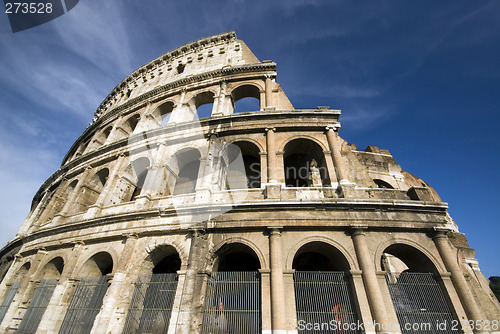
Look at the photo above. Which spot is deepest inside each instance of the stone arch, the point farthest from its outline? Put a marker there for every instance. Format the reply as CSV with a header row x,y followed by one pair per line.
x,y
99,264
161,114
205,98
52,269
162,258
350,262
299,157
216,250
185,167
91,191
247,92
21,272
167,241
383,184
436,263
243,165
250,140
101,137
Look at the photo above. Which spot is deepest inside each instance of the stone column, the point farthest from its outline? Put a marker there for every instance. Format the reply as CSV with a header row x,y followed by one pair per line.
x,y
187,313
277,284
271,156
450,261
269,92
338,161
111,301
370,282
56,309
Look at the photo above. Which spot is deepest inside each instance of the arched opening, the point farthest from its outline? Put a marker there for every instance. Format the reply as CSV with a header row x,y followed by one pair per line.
x,y
243,165
162,113
151,306
203,104
233,302
87,298
323,290
57,201
41,296
100,139
245,98
305,164
187,168
131,123
90,191
383,184
13,289
81,149
140,167
415,291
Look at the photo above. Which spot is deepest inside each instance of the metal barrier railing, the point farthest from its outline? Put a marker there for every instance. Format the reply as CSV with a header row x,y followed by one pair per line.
x,y
7,301
85,305
37,306
233,303
420,303
151,306
324,303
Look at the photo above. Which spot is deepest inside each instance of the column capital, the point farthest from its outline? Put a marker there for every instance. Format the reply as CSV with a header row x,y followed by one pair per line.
x,y
333,127
273,129
358,229
440,232
275,229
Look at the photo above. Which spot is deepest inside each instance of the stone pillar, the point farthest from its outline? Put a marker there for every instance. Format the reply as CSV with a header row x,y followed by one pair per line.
x,y
76,193
188,320
370,281
269,92
103,322
277,284
457,277
338,161
59,302
271,156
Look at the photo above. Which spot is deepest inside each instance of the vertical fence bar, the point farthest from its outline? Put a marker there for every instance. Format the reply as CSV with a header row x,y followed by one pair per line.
x,y
420,303
324,303
151,305
233,303
9,297
85,305
37,307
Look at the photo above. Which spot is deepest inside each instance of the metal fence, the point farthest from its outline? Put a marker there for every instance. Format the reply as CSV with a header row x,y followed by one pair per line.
x,y
151,305
9,297
324,303
37,307
85,305
420,303
233,303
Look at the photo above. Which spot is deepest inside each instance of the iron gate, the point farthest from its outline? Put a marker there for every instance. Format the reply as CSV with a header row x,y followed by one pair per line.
x,y
37,306
9,297
85,305
419,303
324,303
151,305
233,303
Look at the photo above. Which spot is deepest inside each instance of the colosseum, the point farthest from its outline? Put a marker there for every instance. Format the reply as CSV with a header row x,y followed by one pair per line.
x,y
200,201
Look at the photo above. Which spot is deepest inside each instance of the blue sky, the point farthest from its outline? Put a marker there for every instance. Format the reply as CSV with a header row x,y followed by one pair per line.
x,y
420,78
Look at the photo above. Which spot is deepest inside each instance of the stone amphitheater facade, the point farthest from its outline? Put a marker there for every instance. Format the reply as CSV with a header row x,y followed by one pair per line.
x,y
178,212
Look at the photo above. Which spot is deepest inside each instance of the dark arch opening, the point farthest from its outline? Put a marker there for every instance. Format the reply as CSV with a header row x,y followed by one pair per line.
x,y
163,112
188,163
299,157
413,259
131,123
53,269
319,256
383,184
140,167
203,104
245,98
98,265
244,165
236,257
